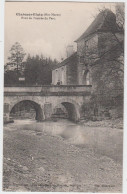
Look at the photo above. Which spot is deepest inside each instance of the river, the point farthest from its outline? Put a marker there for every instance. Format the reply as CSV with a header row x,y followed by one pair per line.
x,y
61,156
100,140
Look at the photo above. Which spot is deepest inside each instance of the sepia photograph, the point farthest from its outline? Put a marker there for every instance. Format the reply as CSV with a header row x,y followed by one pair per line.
x,y
63,96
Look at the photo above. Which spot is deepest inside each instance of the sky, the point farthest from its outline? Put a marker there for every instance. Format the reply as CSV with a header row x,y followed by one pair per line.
x,y
49,37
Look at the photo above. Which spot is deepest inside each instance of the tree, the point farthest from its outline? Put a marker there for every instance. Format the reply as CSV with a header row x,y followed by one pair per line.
x,y
39,70
105,59
16,57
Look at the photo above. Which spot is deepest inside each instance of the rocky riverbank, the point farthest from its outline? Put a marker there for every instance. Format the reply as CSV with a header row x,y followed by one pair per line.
x,y
112,123
61,157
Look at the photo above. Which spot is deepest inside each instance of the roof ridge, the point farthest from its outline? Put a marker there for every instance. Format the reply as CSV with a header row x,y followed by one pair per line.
x,y
62,63
96,24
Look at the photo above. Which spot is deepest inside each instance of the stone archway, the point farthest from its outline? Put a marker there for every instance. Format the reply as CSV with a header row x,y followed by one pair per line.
x,y
36,106
72,108
86,77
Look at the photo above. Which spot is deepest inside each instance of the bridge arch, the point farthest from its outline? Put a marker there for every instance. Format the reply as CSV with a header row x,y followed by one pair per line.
x,y
33,104
72,107
71,103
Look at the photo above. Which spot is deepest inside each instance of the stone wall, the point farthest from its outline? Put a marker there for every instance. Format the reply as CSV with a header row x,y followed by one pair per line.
x,y
67,73
40,90
102,44
106,41
82,75
44,105
72,72
86,49
59,76
87,45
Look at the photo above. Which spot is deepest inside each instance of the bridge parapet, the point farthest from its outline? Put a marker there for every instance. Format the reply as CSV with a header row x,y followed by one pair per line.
x,y
55,90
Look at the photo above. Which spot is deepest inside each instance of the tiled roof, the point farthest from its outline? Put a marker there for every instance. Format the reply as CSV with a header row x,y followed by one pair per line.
x,y
105,21
66,61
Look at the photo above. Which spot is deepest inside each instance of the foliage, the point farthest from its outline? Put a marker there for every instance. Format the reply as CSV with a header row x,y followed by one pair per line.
x,y
38,70
17,55
106,63
11,77
108,67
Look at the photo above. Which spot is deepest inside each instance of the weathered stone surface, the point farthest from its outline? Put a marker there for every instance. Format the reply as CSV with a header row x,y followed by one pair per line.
x,y
72,102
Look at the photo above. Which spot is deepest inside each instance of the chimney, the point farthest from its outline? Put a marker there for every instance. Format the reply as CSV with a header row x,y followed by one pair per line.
x,y
69,50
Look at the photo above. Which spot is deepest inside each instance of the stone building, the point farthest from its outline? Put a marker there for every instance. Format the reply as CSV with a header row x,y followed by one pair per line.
x,y
91,45
65,73
97,45
98,48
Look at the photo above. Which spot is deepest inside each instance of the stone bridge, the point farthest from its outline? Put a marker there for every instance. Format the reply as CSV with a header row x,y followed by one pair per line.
x,y
46,98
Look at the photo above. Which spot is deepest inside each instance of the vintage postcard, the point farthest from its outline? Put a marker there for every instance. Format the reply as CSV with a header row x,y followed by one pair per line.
x,y
63,96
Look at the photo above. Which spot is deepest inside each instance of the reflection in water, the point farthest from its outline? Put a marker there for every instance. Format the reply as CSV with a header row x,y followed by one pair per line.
x,y
101,140
24,121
